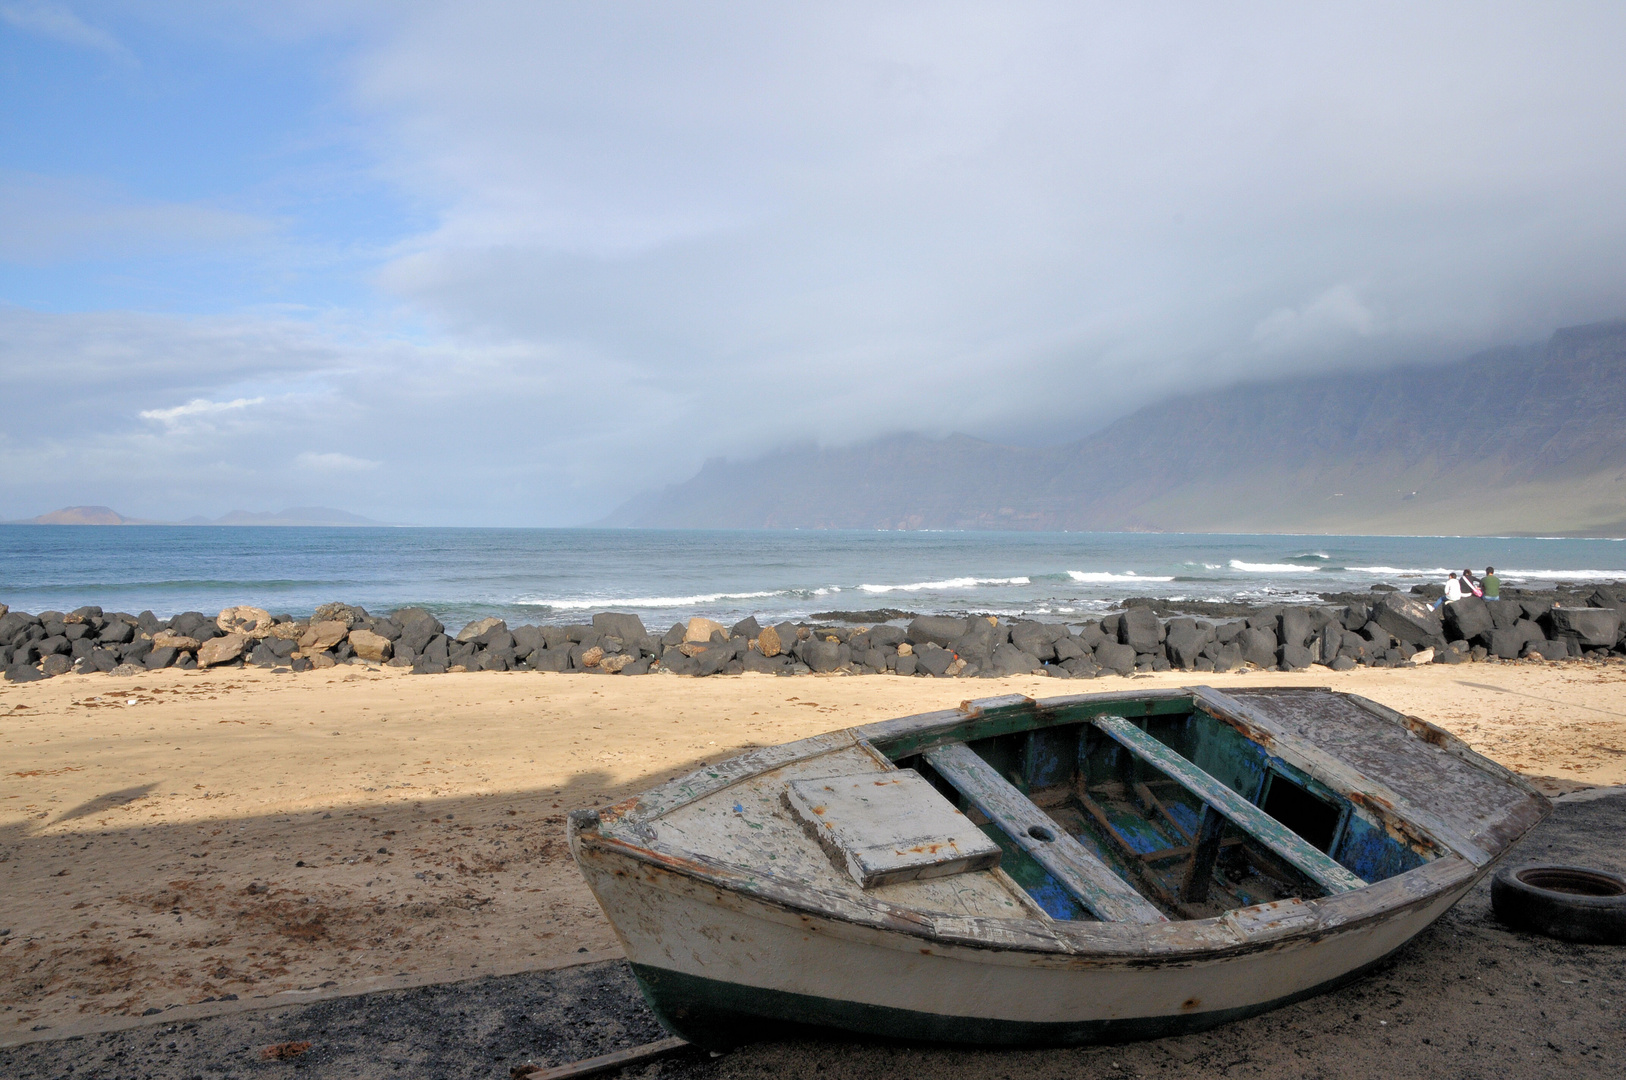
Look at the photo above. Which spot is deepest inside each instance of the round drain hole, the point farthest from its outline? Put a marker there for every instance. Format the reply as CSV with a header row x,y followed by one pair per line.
x,y
1039,832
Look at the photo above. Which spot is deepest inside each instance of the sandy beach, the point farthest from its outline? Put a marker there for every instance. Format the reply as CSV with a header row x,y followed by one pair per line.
x,y
179,837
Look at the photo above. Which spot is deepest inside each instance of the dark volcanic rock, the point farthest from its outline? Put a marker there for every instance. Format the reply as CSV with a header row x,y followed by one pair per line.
x,y
1409,620
1294,626
623,625
821,655
1258,646
1468,618
1140,630
1185,644
1010,660
1116,658
21,673
1295,658
939,630
747,628
1591,627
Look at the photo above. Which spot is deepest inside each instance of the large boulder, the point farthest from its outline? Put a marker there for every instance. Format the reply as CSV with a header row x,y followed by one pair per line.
x,y
618,624
1467,619
886,636
116,632
1034,639
321,636
348,614
417,633
746,628
478,627
933,659
1590,627
768,643
821,655
1116,658
1294,627
1509,643
1504,613
1185,644
1008,659
1258,646
1409,620
371,646
252,621
1295,657
221,650
938,630
701,629
20,673
1140,630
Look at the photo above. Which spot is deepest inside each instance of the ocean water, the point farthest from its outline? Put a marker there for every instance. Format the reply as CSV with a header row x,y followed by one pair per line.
x,y
563,575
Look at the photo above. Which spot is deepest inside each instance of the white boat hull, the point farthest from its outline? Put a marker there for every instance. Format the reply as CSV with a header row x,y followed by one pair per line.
x,y
720,968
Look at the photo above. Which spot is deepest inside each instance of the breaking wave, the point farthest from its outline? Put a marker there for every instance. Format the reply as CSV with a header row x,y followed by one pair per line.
x,y
1269,567
607,603
947,583
1092,577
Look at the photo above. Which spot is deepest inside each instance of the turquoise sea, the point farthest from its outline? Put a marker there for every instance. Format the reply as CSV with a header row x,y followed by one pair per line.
x,y
562,575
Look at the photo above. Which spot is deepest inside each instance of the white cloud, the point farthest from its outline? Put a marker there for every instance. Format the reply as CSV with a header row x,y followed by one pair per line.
x,y
334,462
197,407
45,218
58,23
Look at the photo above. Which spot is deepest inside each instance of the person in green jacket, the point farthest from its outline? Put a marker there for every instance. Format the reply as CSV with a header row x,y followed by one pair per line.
x,y
1491,584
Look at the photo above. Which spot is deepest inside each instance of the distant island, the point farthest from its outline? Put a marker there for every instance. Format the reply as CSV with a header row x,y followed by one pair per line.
x,y
293,516
1525,440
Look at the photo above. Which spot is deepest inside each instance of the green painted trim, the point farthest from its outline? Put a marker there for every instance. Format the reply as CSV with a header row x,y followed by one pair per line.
x,y
1315,865
1014,720
721,1015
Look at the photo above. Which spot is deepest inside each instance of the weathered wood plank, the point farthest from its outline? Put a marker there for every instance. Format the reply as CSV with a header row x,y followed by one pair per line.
x,y
1103,892
1246,816
592,1066
890,827
1378,798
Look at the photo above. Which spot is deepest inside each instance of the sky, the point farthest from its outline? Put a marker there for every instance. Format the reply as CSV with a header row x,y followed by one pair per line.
x,y
511,264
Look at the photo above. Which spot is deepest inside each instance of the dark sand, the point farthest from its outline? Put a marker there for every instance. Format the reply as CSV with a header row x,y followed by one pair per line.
x,y
1467,998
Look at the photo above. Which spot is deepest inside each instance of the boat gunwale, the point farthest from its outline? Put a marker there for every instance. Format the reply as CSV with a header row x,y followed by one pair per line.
x,y
1178,941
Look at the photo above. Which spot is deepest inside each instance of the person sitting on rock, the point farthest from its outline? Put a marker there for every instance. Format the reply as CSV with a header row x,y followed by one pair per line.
x,y
1470,584
1453,592
1491,584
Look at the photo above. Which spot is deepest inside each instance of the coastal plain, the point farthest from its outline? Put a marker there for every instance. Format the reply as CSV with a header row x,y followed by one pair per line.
x,y
180,843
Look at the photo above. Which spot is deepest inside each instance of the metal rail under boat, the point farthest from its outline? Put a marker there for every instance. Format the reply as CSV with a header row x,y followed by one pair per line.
x,y
1092,882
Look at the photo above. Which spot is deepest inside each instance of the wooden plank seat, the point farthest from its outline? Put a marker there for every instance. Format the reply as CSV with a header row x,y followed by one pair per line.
x,y
1216,796
1107,896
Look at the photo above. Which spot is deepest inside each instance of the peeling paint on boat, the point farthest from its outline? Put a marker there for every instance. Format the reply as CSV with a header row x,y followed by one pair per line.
x,y
738,921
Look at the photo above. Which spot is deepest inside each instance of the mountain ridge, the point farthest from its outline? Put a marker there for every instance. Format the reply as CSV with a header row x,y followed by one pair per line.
x,y
293,516
1528,439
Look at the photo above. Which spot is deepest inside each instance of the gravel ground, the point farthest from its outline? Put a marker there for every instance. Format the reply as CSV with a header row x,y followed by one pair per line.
x,y
1465,999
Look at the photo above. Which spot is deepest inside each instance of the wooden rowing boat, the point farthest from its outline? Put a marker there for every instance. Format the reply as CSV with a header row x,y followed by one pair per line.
x,y
1018,872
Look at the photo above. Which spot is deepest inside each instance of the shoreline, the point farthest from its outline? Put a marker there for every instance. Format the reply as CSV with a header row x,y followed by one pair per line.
x,y
1380,627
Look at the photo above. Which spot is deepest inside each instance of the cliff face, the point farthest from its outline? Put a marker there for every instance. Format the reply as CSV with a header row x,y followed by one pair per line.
x,y
1516,440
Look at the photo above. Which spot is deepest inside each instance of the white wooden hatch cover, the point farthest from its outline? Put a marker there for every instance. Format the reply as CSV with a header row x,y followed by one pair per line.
x,y
888,827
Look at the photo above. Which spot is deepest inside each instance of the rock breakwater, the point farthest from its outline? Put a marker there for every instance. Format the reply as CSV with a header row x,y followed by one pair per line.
x,y
1384,628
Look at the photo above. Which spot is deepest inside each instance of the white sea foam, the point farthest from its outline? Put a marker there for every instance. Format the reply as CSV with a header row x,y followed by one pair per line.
x,y
606,603
949,583
1092,577
1400,571
1270,567
1567,575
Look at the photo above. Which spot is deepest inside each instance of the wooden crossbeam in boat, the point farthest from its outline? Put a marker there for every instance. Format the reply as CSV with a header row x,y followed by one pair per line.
x,y
1107,896
1286,843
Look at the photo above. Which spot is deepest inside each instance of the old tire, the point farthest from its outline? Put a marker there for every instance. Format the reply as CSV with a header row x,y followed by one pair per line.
x,y
1571,903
